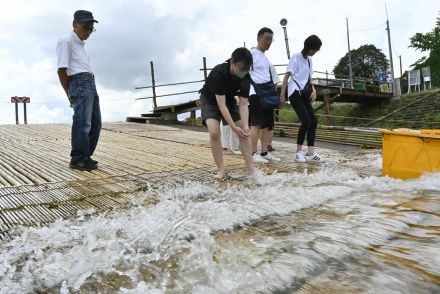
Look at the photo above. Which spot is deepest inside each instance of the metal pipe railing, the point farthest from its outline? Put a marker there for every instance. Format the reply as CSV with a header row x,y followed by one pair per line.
x,y
166,85
338,81
166,95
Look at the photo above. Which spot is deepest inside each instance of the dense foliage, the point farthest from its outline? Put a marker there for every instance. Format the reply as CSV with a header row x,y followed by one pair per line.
x,y
367,62
430,43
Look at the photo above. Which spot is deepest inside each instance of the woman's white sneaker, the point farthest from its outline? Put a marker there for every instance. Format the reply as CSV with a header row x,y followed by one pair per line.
x,y
300,156
315,157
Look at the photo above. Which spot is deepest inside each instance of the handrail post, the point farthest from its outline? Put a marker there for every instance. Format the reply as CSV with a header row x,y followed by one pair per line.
x,y
25,113
16,113
327,105
276,114
153,83
326,76
205,69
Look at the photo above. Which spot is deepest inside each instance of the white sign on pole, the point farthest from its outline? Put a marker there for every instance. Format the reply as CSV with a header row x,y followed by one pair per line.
x,y
426,72
414,79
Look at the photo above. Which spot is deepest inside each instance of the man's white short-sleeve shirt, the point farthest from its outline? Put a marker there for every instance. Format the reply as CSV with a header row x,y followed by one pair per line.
x,y
300,71
261,70
71,55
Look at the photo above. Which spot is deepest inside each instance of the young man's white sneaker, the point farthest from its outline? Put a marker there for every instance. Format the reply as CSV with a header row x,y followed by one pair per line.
x,y
300,156
258,158
315,157
269,156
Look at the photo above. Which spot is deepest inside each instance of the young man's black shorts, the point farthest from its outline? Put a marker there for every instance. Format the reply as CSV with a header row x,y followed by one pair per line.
x,y
210,109
259,116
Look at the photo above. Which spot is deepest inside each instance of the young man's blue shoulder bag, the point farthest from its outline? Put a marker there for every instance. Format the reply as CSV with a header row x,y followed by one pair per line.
x,y
267,92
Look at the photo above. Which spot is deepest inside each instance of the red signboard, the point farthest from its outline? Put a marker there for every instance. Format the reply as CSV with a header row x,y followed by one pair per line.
x,y
16,99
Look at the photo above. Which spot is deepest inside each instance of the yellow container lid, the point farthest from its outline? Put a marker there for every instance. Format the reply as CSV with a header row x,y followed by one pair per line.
x,y
412,133
431,132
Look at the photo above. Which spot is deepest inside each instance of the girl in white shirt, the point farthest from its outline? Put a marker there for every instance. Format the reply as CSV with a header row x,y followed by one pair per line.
x,y
301,95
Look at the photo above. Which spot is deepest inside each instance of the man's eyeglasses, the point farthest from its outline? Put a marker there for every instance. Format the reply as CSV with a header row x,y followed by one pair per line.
x,y
88,28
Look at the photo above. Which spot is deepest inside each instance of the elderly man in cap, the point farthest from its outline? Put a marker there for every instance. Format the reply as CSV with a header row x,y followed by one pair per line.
x,y
76,77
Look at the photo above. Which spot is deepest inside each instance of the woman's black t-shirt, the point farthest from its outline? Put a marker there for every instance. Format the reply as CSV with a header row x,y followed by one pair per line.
x,y
220,81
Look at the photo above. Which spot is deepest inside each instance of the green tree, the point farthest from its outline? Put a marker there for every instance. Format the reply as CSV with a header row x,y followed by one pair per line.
x,y
429,42
367,61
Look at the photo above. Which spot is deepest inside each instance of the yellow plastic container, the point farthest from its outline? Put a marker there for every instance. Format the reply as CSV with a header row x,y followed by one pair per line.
x,y
410,153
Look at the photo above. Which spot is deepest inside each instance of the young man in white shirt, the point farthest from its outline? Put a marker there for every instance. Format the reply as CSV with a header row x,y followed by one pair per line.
x,y
77,79
261,120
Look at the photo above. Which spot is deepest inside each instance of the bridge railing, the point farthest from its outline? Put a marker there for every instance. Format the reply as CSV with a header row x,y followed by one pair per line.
x,y
154,86
327,79
330,79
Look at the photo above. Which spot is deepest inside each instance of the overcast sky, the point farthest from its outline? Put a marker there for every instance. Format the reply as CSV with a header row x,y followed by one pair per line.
x,y
175,35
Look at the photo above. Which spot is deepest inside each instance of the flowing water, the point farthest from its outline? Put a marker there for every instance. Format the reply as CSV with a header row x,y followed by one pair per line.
x,y
328,230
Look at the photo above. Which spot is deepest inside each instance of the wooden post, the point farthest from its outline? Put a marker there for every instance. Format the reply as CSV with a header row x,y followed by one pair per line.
x,y
205,69
25,113
16,113
205,76
153,85
276,114
193,114
276,111
327,102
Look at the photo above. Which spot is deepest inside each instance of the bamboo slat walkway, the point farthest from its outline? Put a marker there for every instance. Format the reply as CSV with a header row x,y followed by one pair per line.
x,y
37,187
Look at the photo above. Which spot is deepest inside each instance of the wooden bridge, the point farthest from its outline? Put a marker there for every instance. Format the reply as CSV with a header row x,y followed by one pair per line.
x,y
326,94
329,90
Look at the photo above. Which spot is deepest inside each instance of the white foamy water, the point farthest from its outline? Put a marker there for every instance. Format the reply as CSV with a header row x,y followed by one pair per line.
x,y
281,232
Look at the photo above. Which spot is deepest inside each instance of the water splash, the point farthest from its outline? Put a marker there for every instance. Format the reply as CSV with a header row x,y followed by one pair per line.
x,y
269,233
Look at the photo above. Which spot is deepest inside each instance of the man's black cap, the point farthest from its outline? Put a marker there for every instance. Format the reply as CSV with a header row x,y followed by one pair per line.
x,y
83,16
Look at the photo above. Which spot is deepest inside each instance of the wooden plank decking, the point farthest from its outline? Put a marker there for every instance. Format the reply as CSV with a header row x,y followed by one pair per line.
x,y
37,187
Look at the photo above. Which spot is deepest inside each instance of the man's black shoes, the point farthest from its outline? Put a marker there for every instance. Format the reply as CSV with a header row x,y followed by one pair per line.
x,y
87,165
92,161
